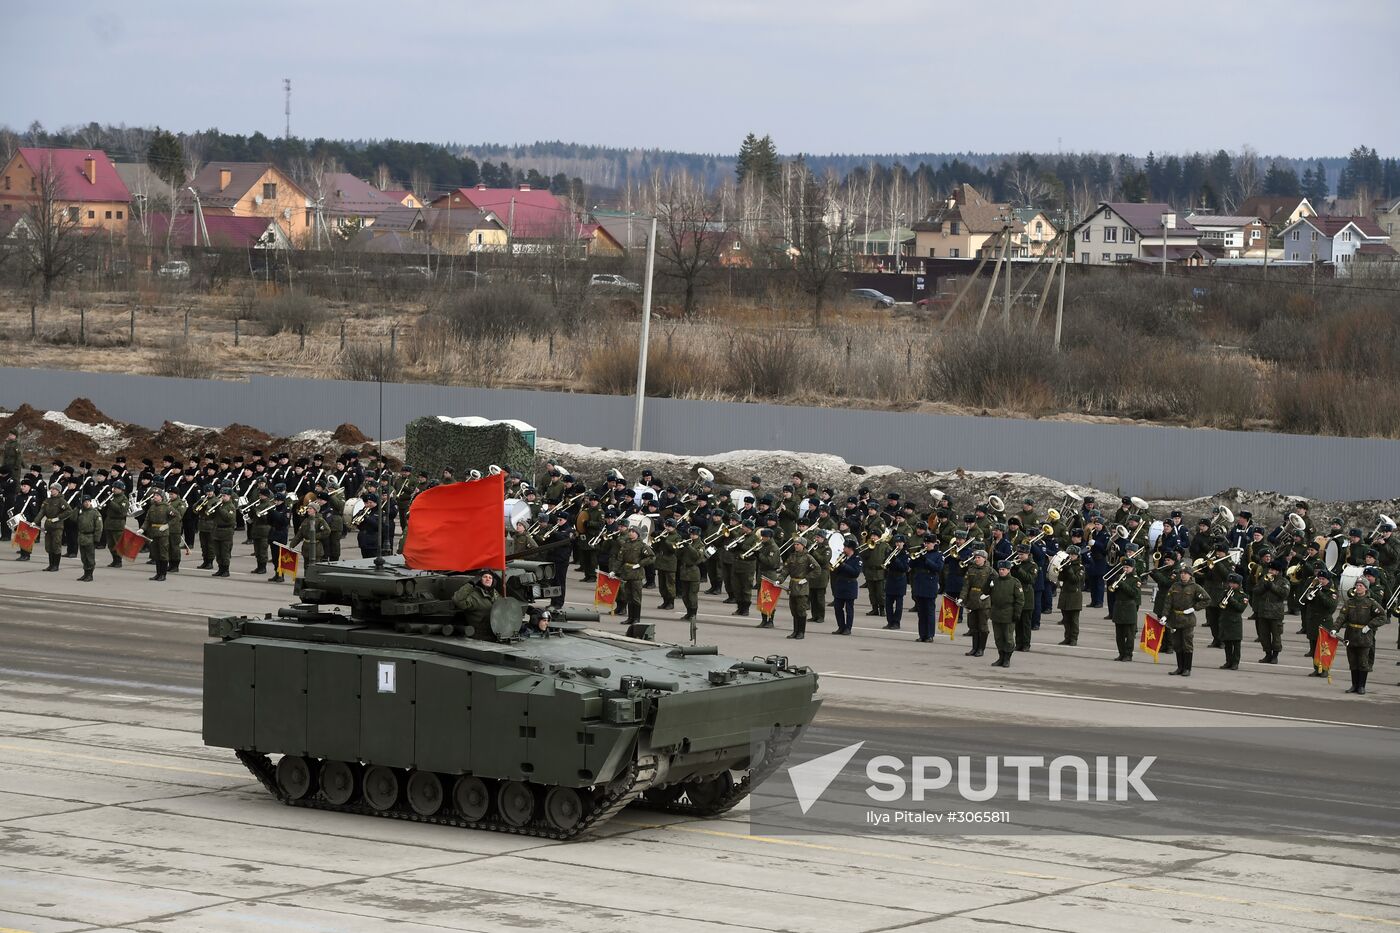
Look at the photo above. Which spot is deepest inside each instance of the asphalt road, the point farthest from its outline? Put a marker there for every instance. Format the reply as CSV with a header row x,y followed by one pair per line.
x,y
113,815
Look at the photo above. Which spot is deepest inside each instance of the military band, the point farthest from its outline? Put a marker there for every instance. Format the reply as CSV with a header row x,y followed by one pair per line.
x,y
1001,571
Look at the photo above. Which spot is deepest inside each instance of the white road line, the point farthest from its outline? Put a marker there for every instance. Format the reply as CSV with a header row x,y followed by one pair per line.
x,y
1094,699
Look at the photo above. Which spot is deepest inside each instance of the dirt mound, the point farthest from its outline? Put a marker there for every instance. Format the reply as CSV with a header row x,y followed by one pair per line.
x,y
242,438
348,435
81,409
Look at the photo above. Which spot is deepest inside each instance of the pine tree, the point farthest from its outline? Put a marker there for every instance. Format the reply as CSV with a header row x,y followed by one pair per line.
x,y
744,164
165,158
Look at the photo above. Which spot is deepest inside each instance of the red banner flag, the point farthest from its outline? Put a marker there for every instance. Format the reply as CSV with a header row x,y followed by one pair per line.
x,y
1153,633
605,593
288,560
1326,652
129,545
24,535
948,615
458,527
768,595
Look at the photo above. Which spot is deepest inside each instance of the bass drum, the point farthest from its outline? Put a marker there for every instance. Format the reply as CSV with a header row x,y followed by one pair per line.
x,y
517,510
1154,531
737,497
352,508
1056,564
1350,574
642,523
1332,556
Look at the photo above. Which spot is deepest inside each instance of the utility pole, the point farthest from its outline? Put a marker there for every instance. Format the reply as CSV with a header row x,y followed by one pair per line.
x,y
1006,285
1164,247
1060,301
646,336
996,271
287,90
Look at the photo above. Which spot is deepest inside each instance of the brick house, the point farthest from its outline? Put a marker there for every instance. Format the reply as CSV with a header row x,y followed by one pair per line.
x,y
88,189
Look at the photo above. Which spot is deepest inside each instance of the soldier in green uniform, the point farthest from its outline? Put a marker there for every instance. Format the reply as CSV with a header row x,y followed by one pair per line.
x,y
767,563
114,512
1270,599
1229,629
666,563
1213,578
592,526
311,527
797,570
260,528
1318,602
689,556
1185,600
474,601
177,519
736,530
874,564
745,567
521,539
225,518
976,599
1007,599
820,578
1162,579
633,557
334,514
13,458
156,526
89,533
1127,600
1357,622
1071,598
205,526
52,515
1024,571
404,491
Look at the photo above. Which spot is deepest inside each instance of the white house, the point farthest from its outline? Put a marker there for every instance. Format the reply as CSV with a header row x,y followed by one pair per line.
x,y
1231,237
1125,231
1330,239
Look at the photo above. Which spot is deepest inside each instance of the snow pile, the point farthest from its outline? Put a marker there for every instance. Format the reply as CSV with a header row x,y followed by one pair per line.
x,y
108,437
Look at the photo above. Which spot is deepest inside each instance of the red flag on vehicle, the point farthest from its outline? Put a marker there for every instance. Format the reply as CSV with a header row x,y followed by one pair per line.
x,y
605,592
1153,634
769,593
129,545
948,615
24,535
1326,652
458,527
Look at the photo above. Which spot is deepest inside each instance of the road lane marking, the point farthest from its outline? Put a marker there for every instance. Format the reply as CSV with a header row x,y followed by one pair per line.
x,y
121,761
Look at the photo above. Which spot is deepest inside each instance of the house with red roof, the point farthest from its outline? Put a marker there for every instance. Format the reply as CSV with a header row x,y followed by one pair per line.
x,y
87,186
219,230
535,219
254,189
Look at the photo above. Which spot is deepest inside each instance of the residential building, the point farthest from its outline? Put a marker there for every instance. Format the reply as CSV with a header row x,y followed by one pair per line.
x,y
402,196
254,189
466,230
350,202
876,249
88,188
535,220
1038,231
219,230
1120,231
1278,211
1388,219
960,226
1334,240
1229,236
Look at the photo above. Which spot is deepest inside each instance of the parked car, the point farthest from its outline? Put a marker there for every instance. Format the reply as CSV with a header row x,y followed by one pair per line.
x,y
877,298
174,269
613,281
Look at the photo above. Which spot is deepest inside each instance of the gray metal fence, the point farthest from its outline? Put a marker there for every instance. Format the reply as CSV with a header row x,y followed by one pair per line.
x,y
1156,462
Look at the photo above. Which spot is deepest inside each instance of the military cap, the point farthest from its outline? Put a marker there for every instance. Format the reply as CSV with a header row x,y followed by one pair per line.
x,y
765,532
1076,530
1023,548
87,497
279,487
1370,571
1203,521
748,498
610,512
1371,552
562,516
264,491
158,485
1186,569
1266,552
803,520
787,487
1221,547
147,461
1361,581
1301,506
892,495
1176,513
851,500
647,472
960,533
226,461
981,507
824,507
1003,565
647,496
943,513
764,499
864,490
568,478
119,486
999,527
1090,500
755,478
1013,520
121,458
692,530
969,517
898,538
1072,550
227,490
283,455
1234,578
1127,500
1354,533
930,539
1028,501
669,523
848,543
592,496
747,523
1244,513
921,525
1131,547
1323,574
828,491
1387,526
811,486
1310,545
979,553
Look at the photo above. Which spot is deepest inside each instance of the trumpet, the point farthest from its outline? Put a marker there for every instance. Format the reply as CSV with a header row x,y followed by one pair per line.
x,y
1046,530
602,536
751,551
1205,563
1308,594
1118,571
1225,600
721,532
871,542
892,555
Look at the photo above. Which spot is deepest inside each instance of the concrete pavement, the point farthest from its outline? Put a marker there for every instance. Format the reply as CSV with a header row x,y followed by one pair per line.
x,y
114,815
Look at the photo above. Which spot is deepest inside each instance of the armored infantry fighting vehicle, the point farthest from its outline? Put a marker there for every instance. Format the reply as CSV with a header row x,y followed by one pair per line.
x,y
373,695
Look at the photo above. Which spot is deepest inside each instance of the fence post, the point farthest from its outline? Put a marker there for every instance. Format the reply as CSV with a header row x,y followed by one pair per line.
x,y
342,335
235,332
33,320
909,360
82,325
301,334
187,323
131,329
393,341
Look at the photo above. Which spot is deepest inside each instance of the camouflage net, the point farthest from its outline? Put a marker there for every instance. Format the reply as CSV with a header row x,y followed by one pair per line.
x,y
432,444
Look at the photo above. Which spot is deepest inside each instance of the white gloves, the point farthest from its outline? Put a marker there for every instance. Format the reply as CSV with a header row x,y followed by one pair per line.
x,y
1188,612
1365,630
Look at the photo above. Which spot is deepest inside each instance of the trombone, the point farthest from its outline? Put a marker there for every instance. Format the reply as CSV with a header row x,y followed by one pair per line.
x,y
1376,532
1046,530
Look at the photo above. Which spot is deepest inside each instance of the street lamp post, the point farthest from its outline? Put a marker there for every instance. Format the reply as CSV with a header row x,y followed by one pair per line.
x,y
646,336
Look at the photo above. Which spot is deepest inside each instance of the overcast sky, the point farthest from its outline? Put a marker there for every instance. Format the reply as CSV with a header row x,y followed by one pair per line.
x,y
1285,76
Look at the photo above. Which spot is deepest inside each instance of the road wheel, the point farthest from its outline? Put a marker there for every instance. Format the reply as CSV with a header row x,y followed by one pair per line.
x,y
563,808
294,776
471,797
381,787
424,793
516,802
708,793
338,782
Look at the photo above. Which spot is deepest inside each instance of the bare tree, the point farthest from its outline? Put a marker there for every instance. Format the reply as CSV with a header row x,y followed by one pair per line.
x,y
383,178
689,237
1246,174
819,233
420,184
1028,186
54,249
